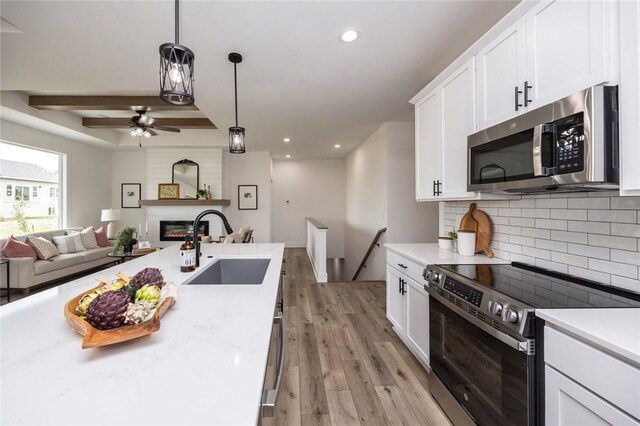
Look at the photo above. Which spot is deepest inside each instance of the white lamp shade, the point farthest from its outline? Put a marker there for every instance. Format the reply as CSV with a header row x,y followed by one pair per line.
x,y
110,215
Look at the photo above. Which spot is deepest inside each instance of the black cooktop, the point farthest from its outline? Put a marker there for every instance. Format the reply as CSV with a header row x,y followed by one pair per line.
x,y
542,288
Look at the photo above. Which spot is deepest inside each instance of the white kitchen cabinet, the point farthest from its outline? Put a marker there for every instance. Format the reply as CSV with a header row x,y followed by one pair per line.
x,y
568,403
417,319
557,48
396,301
501,68
428,146
629,95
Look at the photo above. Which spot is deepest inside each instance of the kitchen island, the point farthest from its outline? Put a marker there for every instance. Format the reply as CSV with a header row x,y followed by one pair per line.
x,y
206,365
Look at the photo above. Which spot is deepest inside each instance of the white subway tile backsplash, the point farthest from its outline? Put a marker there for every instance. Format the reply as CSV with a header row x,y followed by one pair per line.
x,y
588,203
590,227
589,251
614,268
551,224
622,243
594,236
621,216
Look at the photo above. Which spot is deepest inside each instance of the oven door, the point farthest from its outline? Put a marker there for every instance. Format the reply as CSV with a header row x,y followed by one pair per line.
x,y
491,380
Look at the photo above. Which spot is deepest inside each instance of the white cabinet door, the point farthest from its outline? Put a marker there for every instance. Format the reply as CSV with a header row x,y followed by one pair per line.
x,y
457,100
428,146
396,301
567,48
629,95
568,403
418,320
501,72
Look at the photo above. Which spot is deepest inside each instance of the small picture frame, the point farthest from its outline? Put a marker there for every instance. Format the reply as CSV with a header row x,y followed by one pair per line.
x,y
247,197
168,191
130,195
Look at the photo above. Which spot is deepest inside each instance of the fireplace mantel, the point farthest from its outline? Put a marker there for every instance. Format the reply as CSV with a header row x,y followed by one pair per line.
x,y
190,202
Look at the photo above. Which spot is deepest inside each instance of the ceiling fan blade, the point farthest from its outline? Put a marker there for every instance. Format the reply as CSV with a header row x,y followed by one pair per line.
x,y
152,132
167,129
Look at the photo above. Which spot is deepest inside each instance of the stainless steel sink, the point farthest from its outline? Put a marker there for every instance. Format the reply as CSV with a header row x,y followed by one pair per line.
x,y
232,272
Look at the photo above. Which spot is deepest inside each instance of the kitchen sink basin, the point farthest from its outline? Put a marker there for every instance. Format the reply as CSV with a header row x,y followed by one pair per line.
x,y
232,272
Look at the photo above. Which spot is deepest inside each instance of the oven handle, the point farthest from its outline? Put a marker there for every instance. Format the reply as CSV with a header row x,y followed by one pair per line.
x,y
527,345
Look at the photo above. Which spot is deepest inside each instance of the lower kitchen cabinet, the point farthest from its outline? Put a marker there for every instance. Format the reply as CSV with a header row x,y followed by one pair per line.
x,y
408,305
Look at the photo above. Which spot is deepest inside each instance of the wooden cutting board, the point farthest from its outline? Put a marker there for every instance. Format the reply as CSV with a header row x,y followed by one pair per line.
x,y
479,222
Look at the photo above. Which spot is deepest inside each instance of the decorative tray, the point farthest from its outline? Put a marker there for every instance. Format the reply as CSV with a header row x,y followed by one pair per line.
x,y
94,337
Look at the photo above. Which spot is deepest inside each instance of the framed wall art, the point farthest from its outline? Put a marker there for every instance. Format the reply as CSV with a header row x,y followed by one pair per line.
x,y
168,191
247,197
130,195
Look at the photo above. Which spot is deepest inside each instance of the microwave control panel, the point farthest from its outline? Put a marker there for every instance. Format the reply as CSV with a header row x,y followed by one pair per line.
x,y
570,144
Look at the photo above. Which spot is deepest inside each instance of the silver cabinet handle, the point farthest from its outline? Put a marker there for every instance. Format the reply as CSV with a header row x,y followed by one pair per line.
x,y
269,396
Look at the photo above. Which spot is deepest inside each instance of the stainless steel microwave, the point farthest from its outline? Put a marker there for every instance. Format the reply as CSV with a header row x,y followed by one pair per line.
x,y
569,145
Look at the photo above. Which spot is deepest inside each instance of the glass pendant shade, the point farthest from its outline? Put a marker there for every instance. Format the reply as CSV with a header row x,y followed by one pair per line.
x,y
236,140
176,74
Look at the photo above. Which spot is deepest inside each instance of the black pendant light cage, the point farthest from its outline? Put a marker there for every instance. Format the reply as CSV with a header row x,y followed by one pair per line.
x,y
236,133
176,69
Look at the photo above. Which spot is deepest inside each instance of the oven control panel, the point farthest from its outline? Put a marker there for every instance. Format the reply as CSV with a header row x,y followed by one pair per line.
x,y
463,291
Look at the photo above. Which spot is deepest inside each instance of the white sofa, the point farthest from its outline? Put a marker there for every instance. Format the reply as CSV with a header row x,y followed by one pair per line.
x,y
25,273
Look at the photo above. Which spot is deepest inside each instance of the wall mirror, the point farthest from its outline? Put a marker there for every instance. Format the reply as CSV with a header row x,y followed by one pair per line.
x,y
187,174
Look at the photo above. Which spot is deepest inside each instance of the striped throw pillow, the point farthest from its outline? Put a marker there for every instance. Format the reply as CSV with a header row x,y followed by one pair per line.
x,y
88,236
44,248
69,243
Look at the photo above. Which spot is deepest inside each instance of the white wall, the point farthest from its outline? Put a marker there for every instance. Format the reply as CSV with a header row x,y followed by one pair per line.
x,y
408,221
88,168
251,168
128,166
314,188
366,204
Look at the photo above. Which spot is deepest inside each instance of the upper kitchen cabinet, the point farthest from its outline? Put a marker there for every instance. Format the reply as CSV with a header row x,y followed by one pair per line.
x,y
629,95
428,147
501,71
557,48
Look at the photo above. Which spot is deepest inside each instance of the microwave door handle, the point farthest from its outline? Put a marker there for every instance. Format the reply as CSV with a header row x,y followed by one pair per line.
x,y
540,169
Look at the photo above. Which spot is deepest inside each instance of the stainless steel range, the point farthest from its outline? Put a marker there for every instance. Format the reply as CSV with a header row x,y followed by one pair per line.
x,y
486,348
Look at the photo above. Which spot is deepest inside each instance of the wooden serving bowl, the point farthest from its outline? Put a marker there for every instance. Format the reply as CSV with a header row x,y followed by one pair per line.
x,y
94,337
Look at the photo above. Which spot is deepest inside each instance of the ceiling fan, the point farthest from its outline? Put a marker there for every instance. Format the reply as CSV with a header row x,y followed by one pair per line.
x,y
142,125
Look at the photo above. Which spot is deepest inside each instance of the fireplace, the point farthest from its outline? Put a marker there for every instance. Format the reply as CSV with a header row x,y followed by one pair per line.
x,y
176,230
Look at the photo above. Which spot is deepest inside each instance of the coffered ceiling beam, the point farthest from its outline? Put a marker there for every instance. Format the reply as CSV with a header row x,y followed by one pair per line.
x,y
118,123
107,103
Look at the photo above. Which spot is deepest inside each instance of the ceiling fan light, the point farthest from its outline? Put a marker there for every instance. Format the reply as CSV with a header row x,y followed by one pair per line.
x,y
133,133
139,131
236,140
146,134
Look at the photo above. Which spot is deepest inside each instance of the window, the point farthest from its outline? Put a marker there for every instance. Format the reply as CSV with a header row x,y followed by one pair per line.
x,y
28,174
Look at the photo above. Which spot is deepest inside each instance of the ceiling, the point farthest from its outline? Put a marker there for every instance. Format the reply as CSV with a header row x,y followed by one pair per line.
x,y
297,80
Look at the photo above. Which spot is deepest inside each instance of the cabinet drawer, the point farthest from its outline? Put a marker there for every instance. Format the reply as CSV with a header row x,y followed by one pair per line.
x,y
408,267
601,373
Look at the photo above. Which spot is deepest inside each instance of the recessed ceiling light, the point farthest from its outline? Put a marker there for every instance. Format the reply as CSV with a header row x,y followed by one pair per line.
x,y
336,146
349,36
288,155
287,140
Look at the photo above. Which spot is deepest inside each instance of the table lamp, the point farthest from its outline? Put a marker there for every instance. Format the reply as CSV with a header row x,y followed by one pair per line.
x,y
110,215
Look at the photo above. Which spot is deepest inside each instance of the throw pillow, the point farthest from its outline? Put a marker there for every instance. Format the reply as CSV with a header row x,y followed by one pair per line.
x,y
44,248
88,238
69,243
15,248
101,237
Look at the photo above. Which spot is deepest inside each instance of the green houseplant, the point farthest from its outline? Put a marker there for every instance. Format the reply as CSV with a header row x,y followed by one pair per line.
x,y
125,239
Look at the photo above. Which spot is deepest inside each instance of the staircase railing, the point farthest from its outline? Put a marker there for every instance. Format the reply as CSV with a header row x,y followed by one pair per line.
x,y
374,243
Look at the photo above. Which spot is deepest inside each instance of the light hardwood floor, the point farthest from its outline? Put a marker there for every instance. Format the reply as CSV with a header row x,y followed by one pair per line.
x,y
344,363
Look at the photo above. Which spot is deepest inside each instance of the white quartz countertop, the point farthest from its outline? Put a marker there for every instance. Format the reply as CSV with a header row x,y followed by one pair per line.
x,y
431,254
616,331
206,365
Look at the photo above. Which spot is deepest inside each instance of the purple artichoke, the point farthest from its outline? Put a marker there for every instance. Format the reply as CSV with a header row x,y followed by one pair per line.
x,y
108,310
151,276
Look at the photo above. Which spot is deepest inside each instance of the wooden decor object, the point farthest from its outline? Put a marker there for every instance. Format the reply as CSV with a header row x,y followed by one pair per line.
x,y
479,222
94,338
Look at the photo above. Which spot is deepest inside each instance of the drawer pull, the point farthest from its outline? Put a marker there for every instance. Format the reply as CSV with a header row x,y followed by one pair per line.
x,y
402,266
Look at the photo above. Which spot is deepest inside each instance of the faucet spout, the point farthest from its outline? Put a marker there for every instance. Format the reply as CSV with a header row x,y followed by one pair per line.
x,y
196,227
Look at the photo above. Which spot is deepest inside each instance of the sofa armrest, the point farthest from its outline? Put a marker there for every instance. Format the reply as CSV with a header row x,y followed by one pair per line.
x,y
22,273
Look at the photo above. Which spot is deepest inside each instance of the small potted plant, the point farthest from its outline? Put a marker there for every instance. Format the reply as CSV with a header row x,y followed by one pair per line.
x,y
125,240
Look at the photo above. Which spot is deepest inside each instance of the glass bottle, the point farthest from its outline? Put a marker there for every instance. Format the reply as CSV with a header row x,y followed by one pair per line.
x,y
187,255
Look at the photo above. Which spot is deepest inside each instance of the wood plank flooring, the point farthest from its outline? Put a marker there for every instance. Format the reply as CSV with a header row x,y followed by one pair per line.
x,y
344,363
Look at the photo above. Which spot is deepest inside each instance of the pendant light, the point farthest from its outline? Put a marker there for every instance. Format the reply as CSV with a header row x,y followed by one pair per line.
x,y
236,134
176,69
